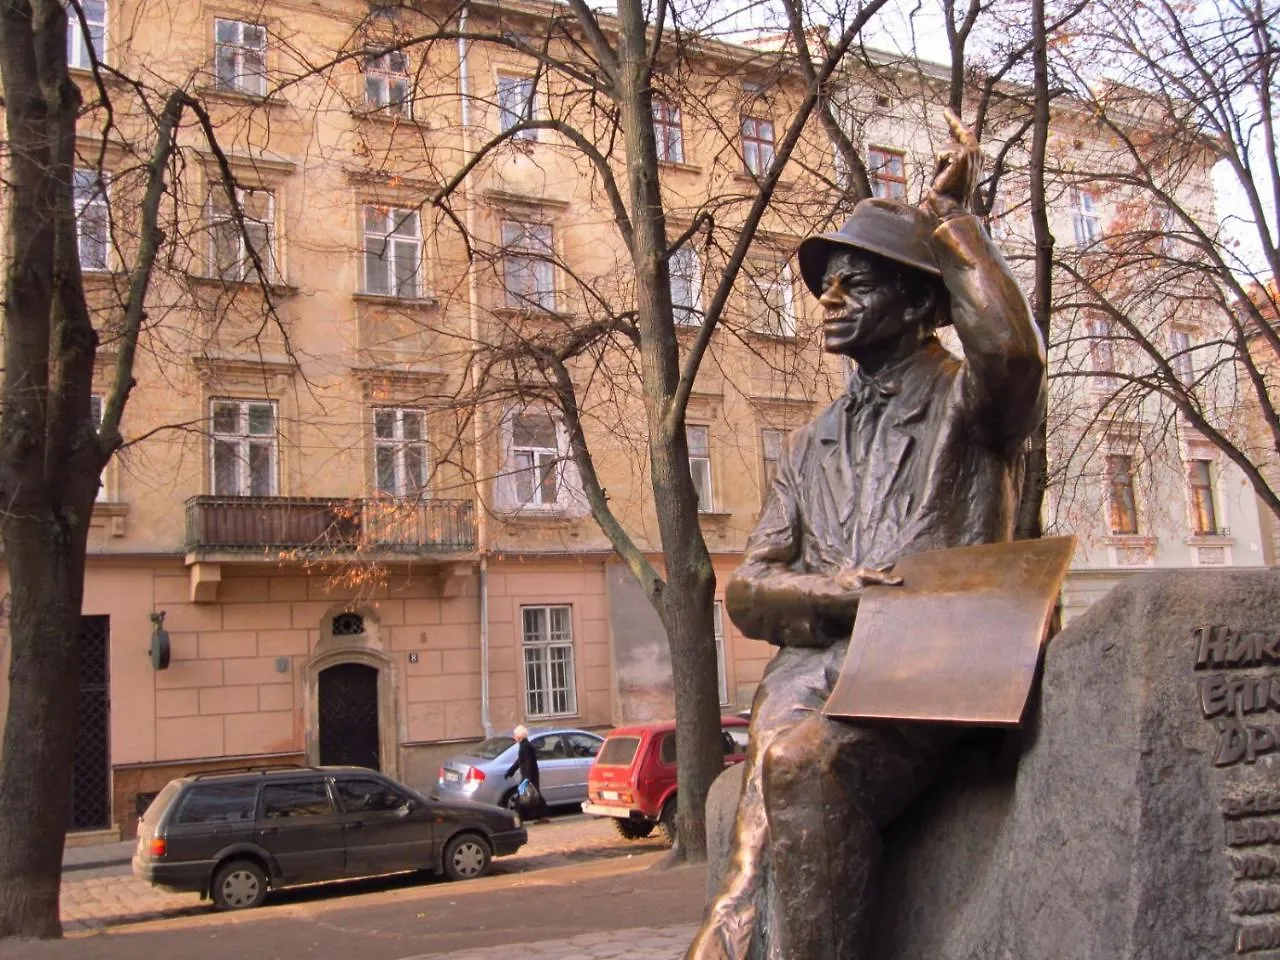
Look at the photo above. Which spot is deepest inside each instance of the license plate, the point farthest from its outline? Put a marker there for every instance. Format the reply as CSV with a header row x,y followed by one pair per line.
x,y
452,776
608,794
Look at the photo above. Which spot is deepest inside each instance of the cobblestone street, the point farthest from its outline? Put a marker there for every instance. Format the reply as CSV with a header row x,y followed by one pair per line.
x,y
109,896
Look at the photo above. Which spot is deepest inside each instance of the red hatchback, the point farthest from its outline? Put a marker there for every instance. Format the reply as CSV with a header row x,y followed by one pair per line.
x,y
633,778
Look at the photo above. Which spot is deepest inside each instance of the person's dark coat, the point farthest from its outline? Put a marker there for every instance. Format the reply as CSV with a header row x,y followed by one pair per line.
x,y
526,763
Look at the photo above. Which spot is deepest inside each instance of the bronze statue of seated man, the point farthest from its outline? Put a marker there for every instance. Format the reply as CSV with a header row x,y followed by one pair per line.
x,y
920,453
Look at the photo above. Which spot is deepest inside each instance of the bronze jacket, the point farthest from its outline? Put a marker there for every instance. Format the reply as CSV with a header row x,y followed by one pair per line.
x,y
921,458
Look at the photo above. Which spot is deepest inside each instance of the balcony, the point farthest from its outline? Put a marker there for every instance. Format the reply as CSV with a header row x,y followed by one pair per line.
x,y
316,527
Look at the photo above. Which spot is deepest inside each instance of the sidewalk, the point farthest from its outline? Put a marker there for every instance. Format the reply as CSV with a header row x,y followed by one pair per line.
x,y
641,943
97,856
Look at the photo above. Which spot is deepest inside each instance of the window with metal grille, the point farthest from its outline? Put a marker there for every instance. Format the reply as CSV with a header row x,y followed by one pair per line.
x,y
232,236
667,130
392,252
1204,516
386,83
93,223
535,457
516,104
686,285
243,448
771,444
722,674
1085,221
699,440
1123,504
550,689
95,24
887,171
400,452
240,57
528,269
757,144
348,625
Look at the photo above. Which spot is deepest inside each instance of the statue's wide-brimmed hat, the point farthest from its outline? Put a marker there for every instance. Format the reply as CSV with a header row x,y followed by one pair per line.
x,y
888,228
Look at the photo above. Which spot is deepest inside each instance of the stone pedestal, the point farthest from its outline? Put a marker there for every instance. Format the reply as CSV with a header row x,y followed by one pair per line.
x,y
1137,814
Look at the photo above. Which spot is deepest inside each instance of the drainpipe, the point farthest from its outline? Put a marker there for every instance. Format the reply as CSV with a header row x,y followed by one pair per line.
x,y
473,313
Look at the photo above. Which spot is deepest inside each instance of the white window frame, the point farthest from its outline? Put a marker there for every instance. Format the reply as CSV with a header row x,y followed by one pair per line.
x,y
668,130
77,50
1102,353
1181,361
770,437
700,465
1085,220
387,88
543,462
685,269
246,76
883,183
777,317
722,667
244,440
93,210
548,659
401,451
385,245
97,403
528,250
224,221
517,96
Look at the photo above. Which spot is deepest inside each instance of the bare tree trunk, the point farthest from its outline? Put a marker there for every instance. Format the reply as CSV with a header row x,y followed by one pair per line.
x,y
1031,503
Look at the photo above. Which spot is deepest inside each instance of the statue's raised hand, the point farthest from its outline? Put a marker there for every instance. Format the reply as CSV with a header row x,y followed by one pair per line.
x,y
956,173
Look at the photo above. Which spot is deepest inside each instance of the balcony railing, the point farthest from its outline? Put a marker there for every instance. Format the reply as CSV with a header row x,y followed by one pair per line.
x,y
318,525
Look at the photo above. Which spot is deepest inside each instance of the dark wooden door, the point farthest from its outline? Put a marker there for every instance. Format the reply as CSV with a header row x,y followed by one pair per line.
x,y
91,769
349,716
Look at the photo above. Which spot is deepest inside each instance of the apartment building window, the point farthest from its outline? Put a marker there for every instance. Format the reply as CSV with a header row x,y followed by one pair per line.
x,y
771,444
1180,356
400,452
231,235
1204,516
775,307
1084,217
686,285
516,104
757,144
386,83
535,456
392,252
699,441
527,267
1102,352
722,674
240,57
95,23
93,222
1124,505
549,687
243,448
667,131
887,170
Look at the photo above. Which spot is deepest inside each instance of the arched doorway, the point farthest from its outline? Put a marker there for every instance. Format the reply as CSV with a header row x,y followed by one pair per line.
x,y
348,715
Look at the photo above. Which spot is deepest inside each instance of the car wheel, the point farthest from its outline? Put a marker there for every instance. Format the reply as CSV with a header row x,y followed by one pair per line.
x,y
239,885
633,829
466,857
668,821
511,801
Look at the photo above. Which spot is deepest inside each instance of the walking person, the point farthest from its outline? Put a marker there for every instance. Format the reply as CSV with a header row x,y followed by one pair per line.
x,y
534,807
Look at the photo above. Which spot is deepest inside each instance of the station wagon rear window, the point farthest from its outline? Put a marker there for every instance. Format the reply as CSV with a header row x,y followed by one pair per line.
x,y
155,810
217,803
618,752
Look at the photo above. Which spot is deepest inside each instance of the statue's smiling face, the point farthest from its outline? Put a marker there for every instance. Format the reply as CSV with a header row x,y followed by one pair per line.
x,y
864,303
